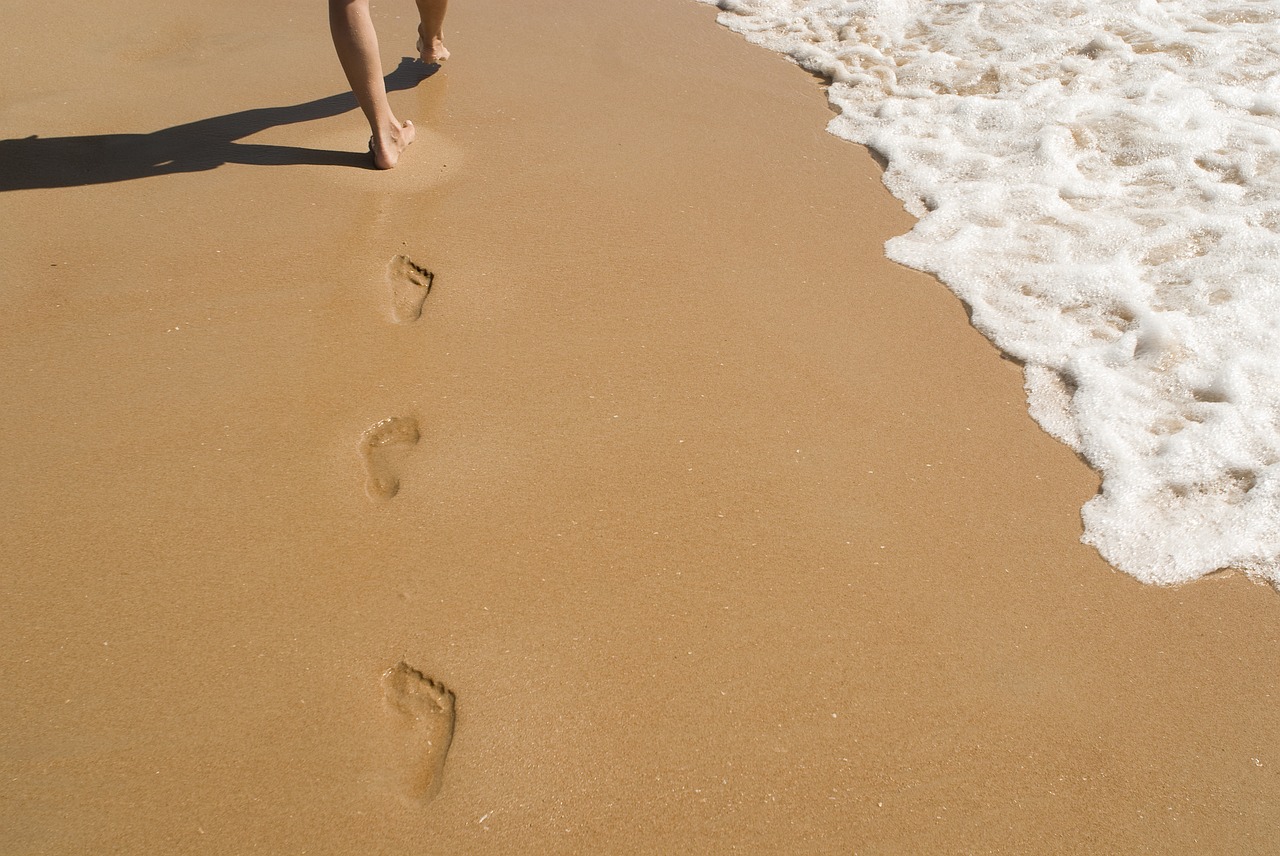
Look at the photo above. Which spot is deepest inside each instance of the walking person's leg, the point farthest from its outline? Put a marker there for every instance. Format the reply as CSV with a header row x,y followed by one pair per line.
x,y
431,31
357,46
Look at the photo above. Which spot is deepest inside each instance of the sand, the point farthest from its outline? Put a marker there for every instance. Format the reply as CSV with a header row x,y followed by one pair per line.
x,y
719,532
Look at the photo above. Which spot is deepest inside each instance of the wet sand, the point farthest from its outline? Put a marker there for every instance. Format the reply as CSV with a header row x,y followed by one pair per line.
x,y
719,531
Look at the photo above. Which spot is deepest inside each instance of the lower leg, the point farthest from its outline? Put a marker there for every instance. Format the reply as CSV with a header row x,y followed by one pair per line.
x,y
357,46
431,30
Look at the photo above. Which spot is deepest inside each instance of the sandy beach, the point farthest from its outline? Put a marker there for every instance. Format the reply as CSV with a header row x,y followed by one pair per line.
x,y
718,531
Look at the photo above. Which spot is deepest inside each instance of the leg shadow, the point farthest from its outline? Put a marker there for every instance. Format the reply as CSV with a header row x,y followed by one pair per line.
x,y
44,162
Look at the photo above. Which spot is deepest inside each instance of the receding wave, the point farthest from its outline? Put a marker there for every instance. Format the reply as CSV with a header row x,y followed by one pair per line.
x,y
1099,180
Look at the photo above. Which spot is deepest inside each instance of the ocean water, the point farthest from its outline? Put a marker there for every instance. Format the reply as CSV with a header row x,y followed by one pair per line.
x,y
1099,180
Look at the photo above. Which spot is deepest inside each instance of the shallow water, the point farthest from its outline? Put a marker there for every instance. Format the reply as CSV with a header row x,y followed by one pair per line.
x,y
1100,182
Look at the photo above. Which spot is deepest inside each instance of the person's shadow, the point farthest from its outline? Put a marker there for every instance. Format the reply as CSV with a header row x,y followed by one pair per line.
x,y
36,162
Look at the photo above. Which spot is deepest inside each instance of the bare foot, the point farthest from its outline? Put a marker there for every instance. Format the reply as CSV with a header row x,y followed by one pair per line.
x,y
436,53
387,145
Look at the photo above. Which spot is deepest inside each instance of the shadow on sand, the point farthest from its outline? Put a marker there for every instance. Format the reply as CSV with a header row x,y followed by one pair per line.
x,y
36,162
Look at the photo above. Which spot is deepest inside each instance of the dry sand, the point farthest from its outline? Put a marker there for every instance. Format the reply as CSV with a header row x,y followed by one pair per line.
x,y
726,534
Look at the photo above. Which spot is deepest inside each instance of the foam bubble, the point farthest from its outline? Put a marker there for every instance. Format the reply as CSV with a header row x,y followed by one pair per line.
x,y
1100,181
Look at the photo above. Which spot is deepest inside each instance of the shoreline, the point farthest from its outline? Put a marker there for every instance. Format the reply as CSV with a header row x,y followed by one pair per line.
x,y
726,532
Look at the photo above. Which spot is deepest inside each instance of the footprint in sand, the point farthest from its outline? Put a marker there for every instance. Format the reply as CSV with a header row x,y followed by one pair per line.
x,y
382,448
410,285
424,714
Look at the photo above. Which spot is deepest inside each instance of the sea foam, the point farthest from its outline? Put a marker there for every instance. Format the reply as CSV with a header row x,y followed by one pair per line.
x,y
1099,180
